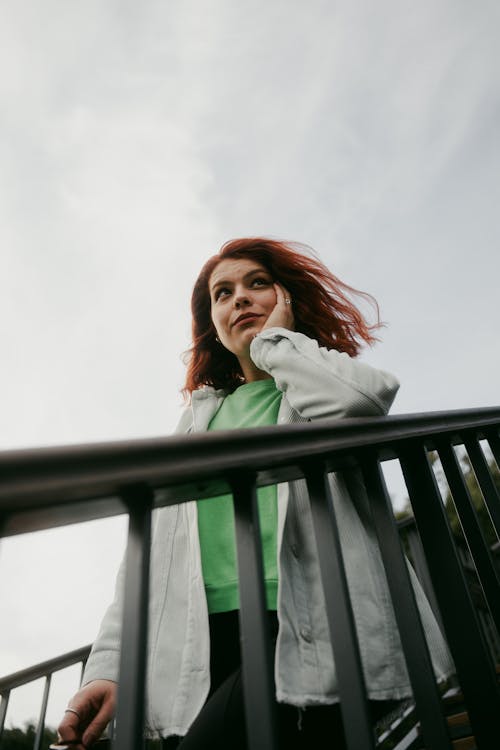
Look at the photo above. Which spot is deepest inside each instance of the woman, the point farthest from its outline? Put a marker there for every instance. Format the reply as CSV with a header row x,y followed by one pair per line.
x,y
275,338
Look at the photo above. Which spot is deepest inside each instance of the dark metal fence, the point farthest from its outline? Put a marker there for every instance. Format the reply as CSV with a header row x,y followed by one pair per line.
x,y
44,671
410,538
50,487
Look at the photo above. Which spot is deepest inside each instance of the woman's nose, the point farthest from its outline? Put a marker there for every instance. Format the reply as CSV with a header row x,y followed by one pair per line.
x,y
241,298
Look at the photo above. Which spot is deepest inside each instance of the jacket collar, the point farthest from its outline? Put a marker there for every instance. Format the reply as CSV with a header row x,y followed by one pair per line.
x,y
204,403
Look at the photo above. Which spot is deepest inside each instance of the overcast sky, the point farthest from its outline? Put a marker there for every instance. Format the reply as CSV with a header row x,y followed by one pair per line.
x,y
135,138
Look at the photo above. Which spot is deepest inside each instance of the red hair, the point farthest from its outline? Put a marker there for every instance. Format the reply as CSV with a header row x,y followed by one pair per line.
x,y
321,308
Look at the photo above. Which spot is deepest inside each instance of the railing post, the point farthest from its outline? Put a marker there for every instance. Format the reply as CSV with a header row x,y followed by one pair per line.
x,y
494,443
131,692
485,481
4,704
420,670
469,650
43,710
485,567
353,704
257,665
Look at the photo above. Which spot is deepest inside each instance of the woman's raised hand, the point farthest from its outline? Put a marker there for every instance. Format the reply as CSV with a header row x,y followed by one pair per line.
x,y
88,714
282,315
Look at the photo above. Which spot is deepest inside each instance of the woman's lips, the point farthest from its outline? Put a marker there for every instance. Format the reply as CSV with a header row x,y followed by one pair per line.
x,y
246,319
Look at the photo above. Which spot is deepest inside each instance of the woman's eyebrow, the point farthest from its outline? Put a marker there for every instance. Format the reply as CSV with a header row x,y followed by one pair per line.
x,y
247,275
219,283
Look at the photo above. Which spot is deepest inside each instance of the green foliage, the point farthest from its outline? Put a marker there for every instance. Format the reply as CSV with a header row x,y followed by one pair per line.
x,y
23,739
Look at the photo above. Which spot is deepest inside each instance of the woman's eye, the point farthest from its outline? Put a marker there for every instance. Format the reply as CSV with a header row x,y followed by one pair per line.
x,y
259,281
220,292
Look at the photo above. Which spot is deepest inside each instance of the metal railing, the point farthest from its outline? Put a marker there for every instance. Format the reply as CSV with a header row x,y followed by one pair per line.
x,y
410,538
51,487
45,670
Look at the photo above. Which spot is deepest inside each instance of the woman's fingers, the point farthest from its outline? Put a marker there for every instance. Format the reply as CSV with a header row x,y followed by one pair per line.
x,y
98,724
282,315
70,728
88,714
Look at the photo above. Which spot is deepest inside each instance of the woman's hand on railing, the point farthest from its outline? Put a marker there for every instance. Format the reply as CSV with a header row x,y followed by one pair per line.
x,y
88,714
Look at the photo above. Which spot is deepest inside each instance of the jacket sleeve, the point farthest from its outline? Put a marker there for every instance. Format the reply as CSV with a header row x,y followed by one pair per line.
x,y
104,660
320,382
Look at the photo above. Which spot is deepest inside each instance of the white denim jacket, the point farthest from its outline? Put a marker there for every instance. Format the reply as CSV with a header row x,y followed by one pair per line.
x,y
315,383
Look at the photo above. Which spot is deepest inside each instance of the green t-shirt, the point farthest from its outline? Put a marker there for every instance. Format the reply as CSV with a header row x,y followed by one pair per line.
x,y
253,404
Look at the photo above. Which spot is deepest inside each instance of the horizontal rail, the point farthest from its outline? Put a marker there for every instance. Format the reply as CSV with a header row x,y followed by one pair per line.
x,y
44,668
55,486
47,487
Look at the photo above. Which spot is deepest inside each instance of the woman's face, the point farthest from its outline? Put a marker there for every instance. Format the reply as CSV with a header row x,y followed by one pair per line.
x,y
242,298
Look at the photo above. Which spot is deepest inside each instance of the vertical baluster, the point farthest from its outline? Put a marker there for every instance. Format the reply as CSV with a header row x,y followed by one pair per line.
x,y
357,723
485,480
494,442
420,670
41,721
488,631
130,708
257,670
4,704
485,567
469,650
422,571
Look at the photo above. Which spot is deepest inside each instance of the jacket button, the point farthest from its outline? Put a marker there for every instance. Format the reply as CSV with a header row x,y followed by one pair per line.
x,y
305,633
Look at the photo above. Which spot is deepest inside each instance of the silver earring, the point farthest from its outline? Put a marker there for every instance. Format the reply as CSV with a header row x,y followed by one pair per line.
x,y
217,339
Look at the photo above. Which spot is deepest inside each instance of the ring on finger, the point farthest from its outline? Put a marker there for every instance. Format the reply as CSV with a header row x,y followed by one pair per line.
x,y
73,711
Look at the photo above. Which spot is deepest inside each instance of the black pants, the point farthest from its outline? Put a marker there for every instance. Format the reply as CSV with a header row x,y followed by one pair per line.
x,y
221,722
